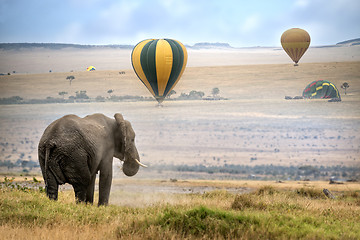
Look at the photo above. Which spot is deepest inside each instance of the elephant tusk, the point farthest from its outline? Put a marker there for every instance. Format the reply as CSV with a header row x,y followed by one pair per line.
x,y
138,162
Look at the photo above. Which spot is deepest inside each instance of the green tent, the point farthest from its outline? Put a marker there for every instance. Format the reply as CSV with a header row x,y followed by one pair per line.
x,y
321,89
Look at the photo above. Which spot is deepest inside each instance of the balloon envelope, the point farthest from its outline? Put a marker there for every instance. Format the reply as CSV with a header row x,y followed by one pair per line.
x,y
159,64
91,68
295,42
321,89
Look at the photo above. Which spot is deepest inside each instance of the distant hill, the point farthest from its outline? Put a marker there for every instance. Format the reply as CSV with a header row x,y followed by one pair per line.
x,y
351,42
202,45
57,46
206,45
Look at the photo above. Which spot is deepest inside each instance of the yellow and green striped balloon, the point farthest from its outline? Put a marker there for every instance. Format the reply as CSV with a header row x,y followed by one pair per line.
x,y
321,89
159,64
295,42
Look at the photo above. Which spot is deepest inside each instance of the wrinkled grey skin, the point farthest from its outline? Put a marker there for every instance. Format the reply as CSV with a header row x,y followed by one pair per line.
x,y
73,150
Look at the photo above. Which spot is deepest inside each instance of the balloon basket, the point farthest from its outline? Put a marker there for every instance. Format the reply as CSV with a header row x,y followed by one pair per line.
x,y
159,105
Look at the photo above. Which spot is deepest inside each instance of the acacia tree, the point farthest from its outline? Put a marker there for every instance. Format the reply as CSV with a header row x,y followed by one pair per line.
x,y
70,78
172,92
215,92
344,86
81,94
196,95
63,94
110,91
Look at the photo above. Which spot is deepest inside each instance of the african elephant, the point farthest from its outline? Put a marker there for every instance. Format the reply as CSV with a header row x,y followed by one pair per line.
x,y
73,150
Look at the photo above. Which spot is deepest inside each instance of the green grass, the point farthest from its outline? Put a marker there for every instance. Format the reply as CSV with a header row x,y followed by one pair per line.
x,y
267,213
34,208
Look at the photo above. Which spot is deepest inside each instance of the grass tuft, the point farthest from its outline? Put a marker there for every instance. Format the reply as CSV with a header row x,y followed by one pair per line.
x,y
311,193
245,201
269,190
218,194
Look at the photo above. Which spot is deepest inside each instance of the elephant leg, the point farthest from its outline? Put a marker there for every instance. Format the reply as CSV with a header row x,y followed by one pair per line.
x,y
105,184
80,192
52,186
90,190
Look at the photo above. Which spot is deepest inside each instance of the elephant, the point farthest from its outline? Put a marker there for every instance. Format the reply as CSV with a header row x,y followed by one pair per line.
x,y
73,150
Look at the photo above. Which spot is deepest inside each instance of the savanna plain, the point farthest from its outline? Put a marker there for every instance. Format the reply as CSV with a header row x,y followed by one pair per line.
x,y
253,126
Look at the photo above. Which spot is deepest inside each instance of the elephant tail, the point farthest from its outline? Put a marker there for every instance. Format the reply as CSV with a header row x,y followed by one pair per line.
x,y
47,154
52,165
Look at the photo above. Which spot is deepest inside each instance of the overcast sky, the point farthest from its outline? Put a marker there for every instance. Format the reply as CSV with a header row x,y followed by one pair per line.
x,y
241,23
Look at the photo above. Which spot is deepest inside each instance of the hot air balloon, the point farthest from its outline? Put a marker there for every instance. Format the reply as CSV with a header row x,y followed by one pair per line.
x,y
91,68
321,89
159,64
295,42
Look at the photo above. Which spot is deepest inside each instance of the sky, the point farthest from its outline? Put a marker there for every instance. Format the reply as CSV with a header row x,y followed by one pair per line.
x,y
241,23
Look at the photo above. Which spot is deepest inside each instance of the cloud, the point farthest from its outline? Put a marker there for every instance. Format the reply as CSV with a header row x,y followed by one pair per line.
x,y
119,12
301,3
71,33
327,23
176,8
251,23
121,21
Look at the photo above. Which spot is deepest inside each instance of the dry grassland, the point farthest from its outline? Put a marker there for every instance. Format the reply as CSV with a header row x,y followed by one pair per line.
x,y
255,126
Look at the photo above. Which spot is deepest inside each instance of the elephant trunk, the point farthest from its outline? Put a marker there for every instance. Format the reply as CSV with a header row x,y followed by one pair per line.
x,y
130,168
131,165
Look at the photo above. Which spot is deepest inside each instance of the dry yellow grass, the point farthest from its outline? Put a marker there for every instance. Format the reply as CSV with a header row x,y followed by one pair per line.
x,y
268,81
58,232
152,192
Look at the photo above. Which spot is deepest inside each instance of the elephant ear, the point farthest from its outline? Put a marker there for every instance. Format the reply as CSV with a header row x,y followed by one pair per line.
x,y
121,123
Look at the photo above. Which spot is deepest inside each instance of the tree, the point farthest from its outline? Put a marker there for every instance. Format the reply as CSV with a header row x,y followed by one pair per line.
x,y
215,92
70,78
81,95
110,91
308,170
100,99
193,95
196,95
345,85
63,94
172,92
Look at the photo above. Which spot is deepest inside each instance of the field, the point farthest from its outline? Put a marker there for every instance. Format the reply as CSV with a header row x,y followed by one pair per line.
x,y
290,210
255,126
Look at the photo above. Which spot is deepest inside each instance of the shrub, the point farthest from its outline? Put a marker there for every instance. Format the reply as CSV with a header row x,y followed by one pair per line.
x,y
207,223
244,201
217,194
310,192
266,190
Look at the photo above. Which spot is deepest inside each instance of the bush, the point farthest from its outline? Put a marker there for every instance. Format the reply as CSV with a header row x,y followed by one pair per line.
x,y
310,192
244,201
207,223
11,100
266,190
217,194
